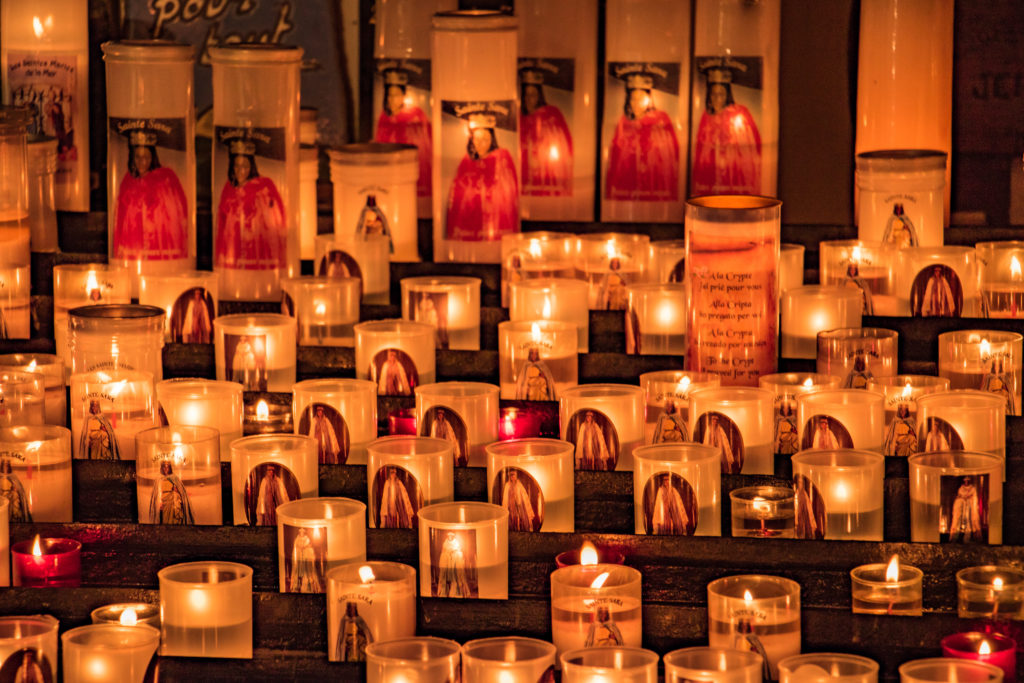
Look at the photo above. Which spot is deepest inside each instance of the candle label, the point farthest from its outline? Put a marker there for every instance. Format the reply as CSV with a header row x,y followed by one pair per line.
x,y
901,434
595,440
245,360
519,493
633,333
251,231
353,633
287,305
859,373
670,426
453,564
168,500
678,272
97,440
726,138
810,509
937,292
151,215
824,432
394,372
372,221
27,665
533,377
718,431
326,425
608,286
396,498
337,263
669,505
963,508
442,422
899,229
191,317
403,88
47,85
642,106
478,170
787,439
268,485
431,308
11,488
546,102
305,558
939,435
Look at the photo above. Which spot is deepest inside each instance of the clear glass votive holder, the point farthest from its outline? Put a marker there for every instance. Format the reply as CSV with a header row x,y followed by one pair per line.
x,y
840,418
128,614
604,423
656,319
269,470
84,284
533,255
177,474
116,336
786,386
46,563
23,397
340,414
325,309
404,474
667,393
52,368
398,355
552,299
368,602
738,422
108,408
15,302
1000,278
900,394
713,665
537,359
590,611
667,261
677,490
990,592
257,350
1000,650
534,479
943,669
811,309
449,304
791,266
619,664
108,652
956,497
29,640
985,360
828,667
465,413
858,355
509,659
203,403
865,267
937,282
839,494
422,659
962,420
609,262
763,512
315,535
35,470
882,589
463,551
206,609
189,301
366,257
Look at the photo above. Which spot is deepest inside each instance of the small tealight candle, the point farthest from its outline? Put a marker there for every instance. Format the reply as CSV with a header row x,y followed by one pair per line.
x,y
314,535
269,470
738,423
37,460
537,359
534,480
984,360
367,603
604,422
325,309
900,404
128,614
677,490
864,267
5,543
667,393
713,665
340,414
989,648
840,418
811,309
823,667
786,386
177,474
839,494
108,408
656,319
108,652
944,669
404,474
189,300
962,420
46,562
267,417
1002,278
512,659
465,413
595,604
463,548
203,403
763,512
608,262
532,255
52,368
360,256
893,589
990,592
399,355
858,355
552,299
82,284
668,261
956,497
116,336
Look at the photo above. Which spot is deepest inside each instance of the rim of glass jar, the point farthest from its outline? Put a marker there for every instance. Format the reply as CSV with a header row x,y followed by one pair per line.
x,y
824,245
23,360
425,282
878,569
549,284
255,54
964,399
390,326
204,277
257,444
102,314
909,670
601,390
669,454
128,638
473,20
990,336
734,660
436,515
839,459
465,390
844,397
732,587
578,578
152,50
508,449
443,649
916,381
321,282
768,494
198,387
863,666
541,650
335,387
399,446
1011,576
996,245
143,610
671,244
243,573
854,333
43,622
52,546
372,154
939,252
325,242
898,159
797,380
22,379
187,435
732,395
733,208
790,246
827,292
383,572
254,322
967,642
33,433
524,238
599,239
547,325
676,376
984,462
108,376
316,509
606,656
14,120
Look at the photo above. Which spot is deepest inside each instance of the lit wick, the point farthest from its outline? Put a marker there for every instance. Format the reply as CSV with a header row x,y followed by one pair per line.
x,y
892,577
129,617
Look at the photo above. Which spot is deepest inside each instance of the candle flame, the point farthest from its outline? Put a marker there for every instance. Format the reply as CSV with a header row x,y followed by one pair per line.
x,y
116,388
535,248
1015,272
855,255
535,333
808,383
986,348
546,313
684,386
37,548
892,572
91,284
262,411
129,617
609,248
984,648
588,553
32,366
366,574
841,491
747,597
553,153
907,390
997,583
40,27
321,309
599,581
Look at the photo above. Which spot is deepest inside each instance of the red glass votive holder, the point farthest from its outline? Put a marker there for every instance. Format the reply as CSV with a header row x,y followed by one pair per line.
x,y
604,556
518,424
1002,650
402,422
58,563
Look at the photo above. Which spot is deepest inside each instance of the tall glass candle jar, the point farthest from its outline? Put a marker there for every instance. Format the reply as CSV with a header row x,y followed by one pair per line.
x,y
116,336
858,355
108,408
962,420
738,423
609,262
512,658
713,665
587,611
620,664
29,642
763,512
900,394
791,266
315,535
55,35
667,261
255,167
309,173
937,282
269,470
811,309
404,474
534,480
949,669
325,309
15,236
956,497
83,284
990,592
786,387
839,494
369,602
864,266
361,256
189,300
203,403
450,304
15,302
604,423
840,418
52,369
732,274
552,299
103,652
256,350
986,360
1001,278
418,660
151,163
843,667
42,215
677,490
398,355
177,473
465,413
667,393
339,414
464,551
656,319
901,195
375,193
21,398
207,610
535,255
36,464
537,360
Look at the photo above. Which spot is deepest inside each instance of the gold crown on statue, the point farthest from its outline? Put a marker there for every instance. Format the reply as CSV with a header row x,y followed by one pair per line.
x,y
142,137
719,76
531,77
241,146
643,81
482,120
395,77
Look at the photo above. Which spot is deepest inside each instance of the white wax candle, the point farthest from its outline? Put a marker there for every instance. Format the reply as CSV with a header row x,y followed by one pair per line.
x,y
107,410
256,350
841,418
552,299
604,422
738,421
203,403
465,413
379,597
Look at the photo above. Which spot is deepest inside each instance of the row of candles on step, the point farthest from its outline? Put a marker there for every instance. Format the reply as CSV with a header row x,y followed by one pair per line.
x,y
754,629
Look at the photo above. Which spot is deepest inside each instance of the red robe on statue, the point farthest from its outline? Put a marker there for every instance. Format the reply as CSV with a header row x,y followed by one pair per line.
x,y
410,126
643,162
151,218
727,153
483,203
545,148
251,227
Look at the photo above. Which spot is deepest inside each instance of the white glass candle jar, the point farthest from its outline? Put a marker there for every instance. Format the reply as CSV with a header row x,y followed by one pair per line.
x,y
677,490
255,167
668,261
207,610
365,257
604,423
36,469
54,34
587,611
29,642
1001,278
839,494
42,215
269,470
842,667
108,408
713,665
537,360
21,396
116,336
375,194
465,413
15,302
203,403
620,664
737,422
369,602
956,497
866,267
15,236
189,300
786,387
937,282
535,255
104,652
534,480
315,535
949,669
732,264
398,355
858,355
840,418
404,474
811,309
82,284
325,309
900,403
256,350
339,414
656,319
667,393
449,304
151,162
609,262
417,660
177,474
986,360
791,266
464,551
52,369
962,420
901,195
552,299
512,658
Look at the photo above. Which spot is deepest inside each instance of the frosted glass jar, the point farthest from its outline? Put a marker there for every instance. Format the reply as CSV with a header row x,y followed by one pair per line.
x,y
114,336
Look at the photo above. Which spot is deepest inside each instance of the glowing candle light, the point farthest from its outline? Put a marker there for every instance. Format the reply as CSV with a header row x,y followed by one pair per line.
x,y
588,553
129,617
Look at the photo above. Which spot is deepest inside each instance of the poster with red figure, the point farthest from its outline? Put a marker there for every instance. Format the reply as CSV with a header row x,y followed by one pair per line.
x,y
545,142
